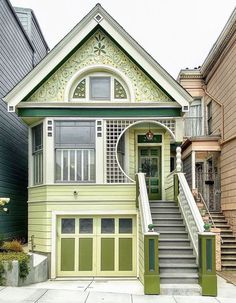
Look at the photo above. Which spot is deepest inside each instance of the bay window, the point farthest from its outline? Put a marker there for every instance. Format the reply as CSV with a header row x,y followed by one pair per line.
x,y
37,153
75,151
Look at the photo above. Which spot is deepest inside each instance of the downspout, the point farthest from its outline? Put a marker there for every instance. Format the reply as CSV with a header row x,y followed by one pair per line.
x,y
222,113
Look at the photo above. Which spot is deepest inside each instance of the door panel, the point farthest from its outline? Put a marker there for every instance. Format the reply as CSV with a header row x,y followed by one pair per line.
x,y
67,254
150,164
107,254
85,254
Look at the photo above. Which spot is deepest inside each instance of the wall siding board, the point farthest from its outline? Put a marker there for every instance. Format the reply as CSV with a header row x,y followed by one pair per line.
x,y
16,56
45,199
222,86
187,169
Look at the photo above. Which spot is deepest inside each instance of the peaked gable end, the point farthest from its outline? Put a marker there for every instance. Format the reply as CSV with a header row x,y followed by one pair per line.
x,y
97,54
158,85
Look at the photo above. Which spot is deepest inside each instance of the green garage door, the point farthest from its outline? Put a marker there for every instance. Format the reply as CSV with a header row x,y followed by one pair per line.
x,y
96,246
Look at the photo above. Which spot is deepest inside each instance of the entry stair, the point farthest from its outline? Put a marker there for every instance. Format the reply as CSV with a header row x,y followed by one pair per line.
x,y
228,244
177,262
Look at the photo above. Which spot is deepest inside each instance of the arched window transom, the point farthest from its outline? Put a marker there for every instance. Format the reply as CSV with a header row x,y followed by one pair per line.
x,y
100,87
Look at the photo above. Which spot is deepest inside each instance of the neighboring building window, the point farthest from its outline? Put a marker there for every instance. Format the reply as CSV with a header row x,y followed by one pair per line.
x,y
100,87
193,120
37,152
75,151
209,118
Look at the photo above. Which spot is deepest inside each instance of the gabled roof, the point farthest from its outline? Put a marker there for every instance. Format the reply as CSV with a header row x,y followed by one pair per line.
x,y
97,17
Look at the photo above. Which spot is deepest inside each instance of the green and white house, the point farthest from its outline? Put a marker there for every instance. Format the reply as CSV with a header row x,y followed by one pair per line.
x,y
102,112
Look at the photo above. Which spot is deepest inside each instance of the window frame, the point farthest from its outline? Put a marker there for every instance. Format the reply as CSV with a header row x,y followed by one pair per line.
x,y
37,156
88,86
80,147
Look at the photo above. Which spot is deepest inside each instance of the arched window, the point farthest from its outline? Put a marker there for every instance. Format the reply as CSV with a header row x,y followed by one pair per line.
x,y
100,86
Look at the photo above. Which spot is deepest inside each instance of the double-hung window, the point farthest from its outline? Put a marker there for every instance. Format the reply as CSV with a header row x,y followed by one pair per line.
x,y
193,120
37,153
75,151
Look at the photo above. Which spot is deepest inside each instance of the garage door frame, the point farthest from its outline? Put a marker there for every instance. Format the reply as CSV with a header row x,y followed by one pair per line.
x,y
55,215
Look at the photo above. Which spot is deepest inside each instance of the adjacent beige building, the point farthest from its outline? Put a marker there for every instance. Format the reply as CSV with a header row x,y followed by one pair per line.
x,y
211,127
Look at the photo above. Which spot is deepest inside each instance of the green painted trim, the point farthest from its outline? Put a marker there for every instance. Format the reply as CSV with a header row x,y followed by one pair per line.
x,y
99,112
207,264
67,254
125,254
107,254
151,265
85,254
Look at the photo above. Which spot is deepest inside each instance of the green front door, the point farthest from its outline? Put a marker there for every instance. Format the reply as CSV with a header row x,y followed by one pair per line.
x,y
150,164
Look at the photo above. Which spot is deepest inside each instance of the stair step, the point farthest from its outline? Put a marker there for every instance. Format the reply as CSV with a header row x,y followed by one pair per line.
x,y
165,227
181,259
228,258
173,234
165,208
222,226
220,221
167,221
179,278
177,250
166,215
225,246
178,268
174,242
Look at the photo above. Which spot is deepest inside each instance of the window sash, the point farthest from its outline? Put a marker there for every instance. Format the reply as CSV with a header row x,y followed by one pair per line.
x,y
75,165
38,167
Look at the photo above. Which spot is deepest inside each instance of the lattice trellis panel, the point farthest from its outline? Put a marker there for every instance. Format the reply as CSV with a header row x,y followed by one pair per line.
x,y
113,130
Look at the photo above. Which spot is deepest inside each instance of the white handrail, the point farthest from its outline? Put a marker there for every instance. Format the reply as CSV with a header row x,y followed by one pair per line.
x,y
192,204
146,217
190,211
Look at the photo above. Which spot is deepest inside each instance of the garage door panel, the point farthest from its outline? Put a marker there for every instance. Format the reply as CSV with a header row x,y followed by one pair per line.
x,y
68,254
125,254
85,254
107,254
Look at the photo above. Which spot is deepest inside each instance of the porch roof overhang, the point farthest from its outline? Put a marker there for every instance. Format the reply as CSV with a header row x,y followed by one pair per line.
x,y
200,144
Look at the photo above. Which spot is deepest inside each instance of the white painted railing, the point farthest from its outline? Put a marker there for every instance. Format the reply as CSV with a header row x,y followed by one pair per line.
x,y
188,206
144,207
190,211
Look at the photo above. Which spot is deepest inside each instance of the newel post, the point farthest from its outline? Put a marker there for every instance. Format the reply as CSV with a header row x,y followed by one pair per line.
x,y
178,160
207,263
151,264
178,170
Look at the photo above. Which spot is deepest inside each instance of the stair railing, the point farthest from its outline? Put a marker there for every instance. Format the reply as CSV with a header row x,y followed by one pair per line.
x,y
148,241
143,203
189,209
207,209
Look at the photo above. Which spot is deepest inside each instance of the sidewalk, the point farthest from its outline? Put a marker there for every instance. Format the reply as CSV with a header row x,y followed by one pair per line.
x,y
104,291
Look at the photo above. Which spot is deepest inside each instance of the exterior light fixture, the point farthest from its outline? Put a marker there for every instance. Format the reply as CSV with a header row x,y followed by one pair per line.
x,y
3,202
149,135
